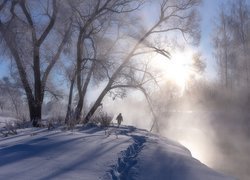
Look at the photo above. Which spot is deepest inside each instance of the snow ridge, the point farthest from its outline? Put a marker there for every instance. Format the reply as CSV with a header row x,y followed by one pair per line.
x,y
127,159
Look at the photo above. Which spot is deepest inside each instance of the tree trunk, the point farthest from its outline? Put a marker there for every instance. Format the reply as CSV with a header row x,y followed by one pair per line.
x,y
78,110
83,92
97,103
78,74
70,101
35,110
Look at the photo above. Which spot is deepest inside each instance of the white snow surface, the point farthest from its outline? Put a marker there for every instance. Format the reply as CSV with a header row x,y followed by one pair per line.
x,y
93,153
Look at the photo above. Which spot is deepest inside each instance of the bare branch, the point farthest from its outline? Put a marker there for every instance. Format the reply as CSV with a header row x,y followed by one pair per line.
x,y
54,94
56,56
50,25
26,13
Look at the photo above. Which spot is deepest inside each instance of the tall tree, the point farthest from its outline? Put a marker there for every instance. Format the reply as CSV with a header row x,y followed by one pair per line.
x,y
231,42
35,41
174,16
92,18
222,42
240,28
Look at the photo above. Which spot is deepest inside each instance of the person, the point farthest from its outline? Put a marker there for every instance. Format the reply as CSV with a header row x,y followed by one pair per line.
x,y
119,119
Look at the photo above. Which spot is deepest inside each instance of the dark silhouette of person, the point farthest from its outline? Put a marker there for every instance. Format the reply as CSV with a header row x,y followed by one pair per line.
x,y
119,119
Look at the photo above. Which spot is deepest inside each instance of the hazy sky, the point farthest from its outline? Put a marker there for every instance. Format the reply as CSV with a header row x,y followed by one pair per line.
x,y
209,9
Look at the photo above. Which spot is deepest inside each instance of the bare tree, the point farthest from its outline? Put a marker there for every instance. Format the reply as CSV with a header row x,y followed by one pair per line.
x,y
231,42
240,27
71,78
28,28
92,18
174,16
222,42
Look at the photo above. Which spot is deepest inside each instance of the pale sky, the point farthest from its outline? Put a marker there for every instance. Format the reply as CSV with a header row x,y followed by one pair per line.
x,y
209,10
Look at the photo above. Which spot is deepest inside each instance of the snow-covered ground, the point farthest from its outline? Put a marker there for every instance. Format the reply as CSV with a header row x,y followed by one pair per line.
x,y
124,153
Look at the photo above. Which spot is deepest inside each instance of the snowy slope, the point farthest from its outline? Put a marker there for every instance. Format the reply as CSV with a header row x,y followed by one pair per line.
x,y
94,153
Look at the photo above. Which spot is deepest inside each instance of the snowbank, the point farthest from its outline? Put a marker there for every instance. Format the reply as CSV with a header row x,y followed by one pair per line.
x,y
94,153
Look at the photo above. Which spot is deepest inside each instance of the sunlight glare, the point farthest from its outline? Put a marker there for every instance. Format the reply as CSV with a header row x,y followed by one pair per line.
x,y
178,68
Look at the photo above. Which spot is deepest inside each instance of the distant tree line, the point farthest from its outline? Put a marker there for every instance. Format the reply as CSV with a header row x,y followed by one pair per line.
x,y
231,42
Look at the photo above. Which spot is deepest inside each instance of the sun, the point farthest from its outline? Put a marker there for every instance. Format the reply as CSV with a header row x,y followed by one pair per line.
x,y
178,69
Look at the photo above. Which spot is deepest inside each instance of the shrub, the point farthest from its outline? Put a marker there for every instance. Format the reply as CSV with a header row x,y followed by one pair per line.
x,y
8,129
103,119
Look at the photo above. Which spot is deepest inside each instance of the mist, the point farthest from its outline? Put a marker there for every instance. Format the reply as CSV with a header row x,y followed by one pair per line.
x,y
213,126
